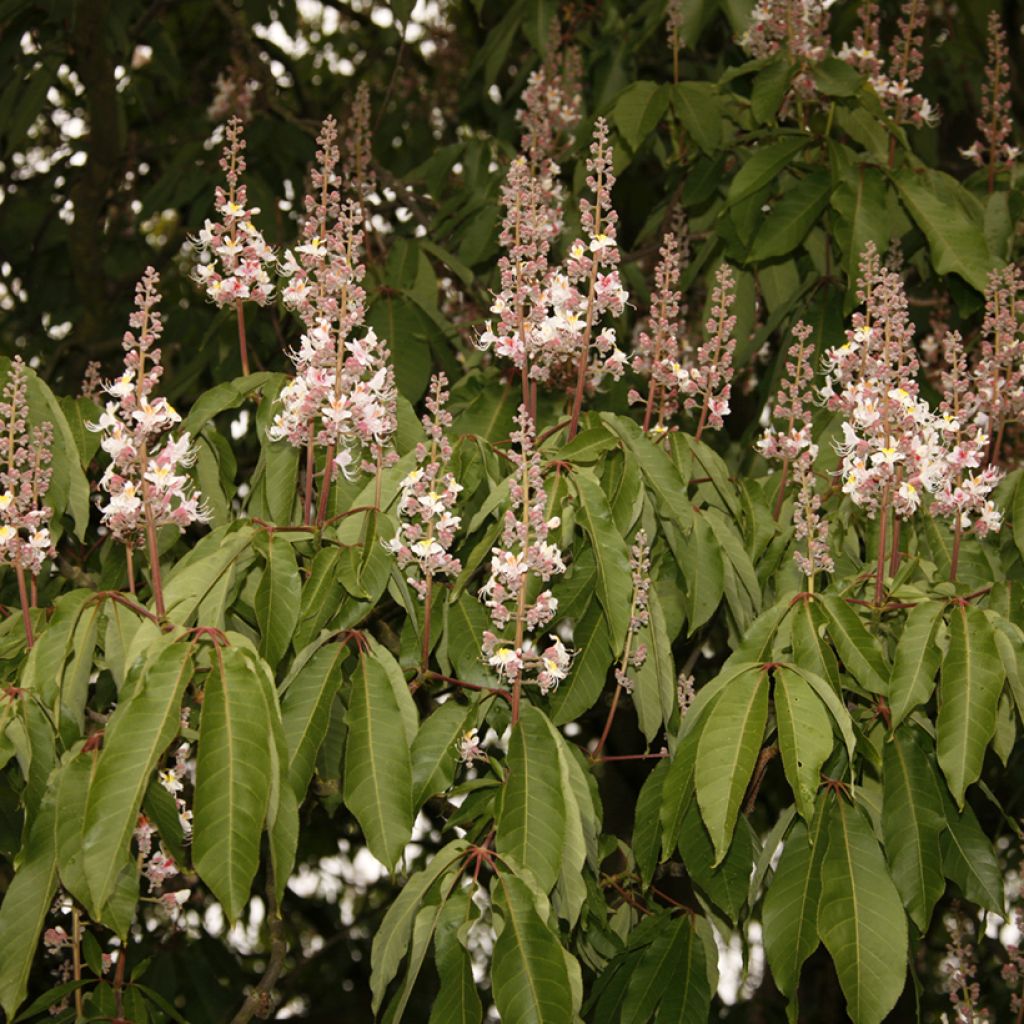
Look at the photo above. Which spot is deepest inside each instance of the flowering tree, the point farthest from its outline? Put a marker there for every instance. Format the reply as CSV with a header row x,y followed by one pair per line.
x,y
584,579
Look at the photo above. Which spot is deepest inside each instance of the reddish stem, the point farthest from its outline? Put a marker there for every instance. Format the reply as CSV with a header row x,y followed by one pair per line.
x,y
243,348
26,618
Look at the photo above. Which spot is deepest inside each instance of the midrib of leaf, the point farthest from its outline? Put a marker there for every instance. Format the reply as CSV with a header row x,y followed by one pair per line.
x,y
512,921
910,811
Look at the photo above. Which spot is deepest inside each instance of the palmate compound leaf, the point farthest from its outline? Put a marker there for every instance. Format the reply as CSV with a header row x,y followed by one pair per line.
x,y
138,732
233,779
378,769
532,822
727,752
971,681
529,973
790,912
860,917
912,822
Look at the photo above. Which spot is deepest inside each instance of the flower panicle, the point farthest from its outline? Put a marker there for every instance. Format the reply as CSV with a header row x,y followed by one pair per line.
x,y
357,167
710,385
25,472
635,653
235,261
524,555
810,527
145,477
793,401
429,494
657,351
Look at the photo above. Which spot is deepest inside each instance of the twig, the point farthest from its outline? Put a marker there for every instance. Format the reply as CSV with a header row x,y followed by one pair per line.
x,y
257,999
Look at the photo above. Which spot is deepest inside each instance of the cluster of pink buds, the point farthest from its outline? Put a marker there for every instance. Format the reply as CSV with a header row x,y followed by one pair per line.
x,y
236,261
798,28
549,319
998,374
525,554
995,148
635,654
894,84
552,102
343,397
657,351
708,384
961,968
427,524
809,527
792,403
144,482
966,477
24,479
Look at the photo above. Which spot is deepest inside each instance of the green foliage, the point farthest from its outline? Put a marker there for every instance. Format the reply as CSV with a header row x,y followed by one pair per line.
x,y
267,726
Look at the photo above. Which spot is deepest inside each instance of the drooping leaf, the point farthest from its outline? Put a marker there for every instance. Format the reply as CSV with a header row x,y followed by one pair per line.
x,y
805,737
138,732
458,1001
24,909
790,914
789,220
671,965
917,661
699,107
531,825
233,779
614,589
861,918
434,751
971,681
529,976
278,599
762,166
912,821
857,649
704,572
969,860
637,111
378,770
727,753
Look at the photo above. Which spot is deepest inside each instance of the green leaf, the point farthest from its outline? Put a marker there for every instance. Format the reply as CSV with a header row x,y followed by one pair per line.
x,y
860,201
138,732
646,823
665,966
638,110
790,914
727,752
529,976
762,166
391,940
660,475
857,649
306,712
912,820
614,589
770,85
654,689
378,770
698,106
972,679
229,394
834,77
233,779
728,883
457,1001
938,205
580,691
24,908
321,596
688,997
704,572
916,662
278,599
791,217
969,860
860,917
805,737
531,824
434,754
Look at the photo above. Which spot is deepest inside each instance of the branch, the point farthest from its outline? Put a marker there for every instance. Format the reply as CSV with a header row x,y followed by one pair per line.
x,y
257,1001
